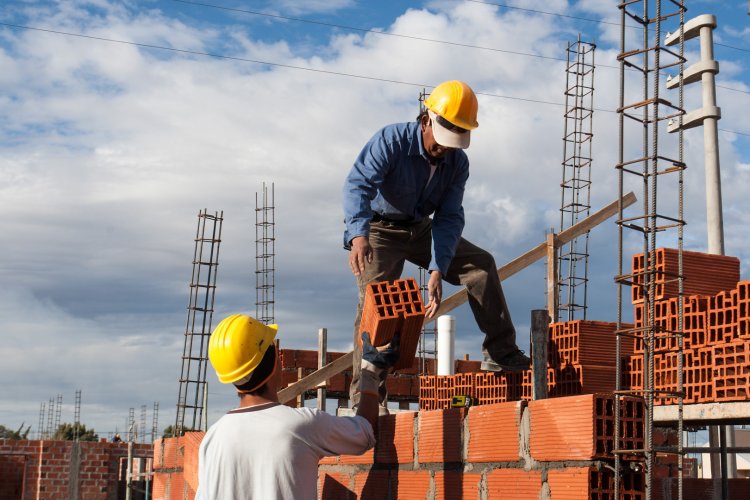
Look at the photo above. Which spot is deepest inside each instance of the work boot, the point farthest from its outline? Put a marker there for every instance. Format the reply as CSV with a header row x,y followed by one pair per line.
x,y
514,362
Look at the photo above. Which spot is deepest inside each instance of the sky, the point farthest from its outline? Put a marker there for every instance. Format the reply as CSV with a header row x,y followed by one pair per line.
x,y
121,119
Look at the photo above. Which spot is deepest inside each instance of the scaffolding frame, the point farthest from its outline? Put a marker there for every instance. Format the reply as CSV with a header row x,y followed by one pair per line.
x,y
192,392
265,256
573,258
643,61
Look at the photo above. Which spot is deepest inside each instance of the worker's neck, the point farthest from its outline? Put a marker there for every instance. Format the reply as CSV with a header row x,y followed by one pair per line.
x,y
265,397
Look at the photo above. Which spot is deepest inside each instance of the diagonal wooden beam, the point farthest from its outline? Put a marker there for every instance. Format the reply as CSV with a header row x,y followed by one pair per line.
x,y
504,272
540,251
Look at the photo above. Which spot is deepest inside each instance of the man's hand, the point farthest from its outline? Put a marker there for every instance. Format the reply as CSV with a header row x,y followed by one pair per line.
x,y
360,253
434,293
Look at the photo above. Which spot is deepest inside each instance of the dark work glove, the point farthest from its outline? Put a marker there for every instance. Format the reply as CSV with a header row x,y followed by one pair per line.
x,y
385,358
375,363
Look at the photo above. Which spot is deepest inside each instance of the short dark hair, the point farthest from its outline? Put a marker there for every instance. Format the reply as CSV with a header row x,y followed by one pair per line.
x,y
259,378
421,114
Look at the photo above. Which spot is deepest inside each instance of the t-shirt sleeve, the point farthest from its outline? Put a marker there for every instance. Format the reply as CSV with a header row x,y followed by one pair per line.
x,y
341,435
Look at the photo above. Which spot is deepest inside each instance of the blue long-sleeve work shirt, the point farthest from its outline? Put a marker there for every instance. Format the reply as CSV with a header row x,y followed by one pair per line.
x,y
390,177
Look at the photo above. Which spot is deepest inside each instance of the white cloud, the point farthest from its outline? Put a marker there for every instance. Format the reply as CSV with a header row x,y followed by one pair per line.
x,y
109,151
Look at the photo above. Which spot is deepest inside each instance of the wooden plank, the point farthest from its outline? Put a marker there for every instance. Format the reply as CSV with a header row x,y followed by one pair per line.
x,y
539,251
458,298
317,377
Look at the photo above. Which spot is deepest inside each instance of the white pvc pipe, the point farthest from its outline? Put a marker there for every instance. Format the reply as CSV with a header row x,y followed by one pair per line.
x,y
446,345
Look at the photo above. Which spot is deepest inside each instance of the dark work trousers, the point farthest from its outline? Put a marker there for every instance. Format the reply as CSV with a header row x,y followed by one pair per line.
x,y
471,267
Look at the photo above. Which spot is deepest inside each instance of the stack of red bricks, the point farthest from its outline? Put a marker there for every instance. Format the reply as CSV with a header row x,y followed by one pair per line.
x,y
716,328
402,384
581,361
512,450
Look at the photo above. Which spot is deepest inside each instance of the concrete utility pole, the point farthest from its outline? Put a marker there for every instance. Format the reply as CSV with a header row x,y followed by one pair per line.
x,y
708,115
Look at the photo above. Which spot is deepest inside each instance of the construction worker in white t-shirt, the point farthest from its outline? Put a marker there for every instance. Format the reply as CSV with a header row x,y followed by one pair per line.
x,y
264,449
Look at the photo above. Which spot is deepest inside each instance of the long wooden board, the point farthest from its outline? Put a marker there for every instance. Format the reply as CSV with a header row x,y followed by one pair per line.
x,y
504,272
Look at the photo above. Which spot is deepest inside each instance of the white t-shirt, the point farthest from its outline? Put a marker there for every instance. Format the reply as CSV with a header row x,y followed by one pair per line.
x,y
272,451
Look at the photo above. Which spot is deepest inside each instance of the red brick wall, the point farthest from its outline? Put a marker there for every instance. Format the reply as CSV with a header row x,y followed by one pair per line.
x,y
176,467
49,473
11,476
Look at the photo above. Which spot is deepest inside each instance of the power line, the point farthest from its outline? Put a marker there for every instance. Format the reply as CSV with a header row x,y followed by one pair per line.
x,y
734,132
578,18
281,65
365,30
256,61
431,40
556,14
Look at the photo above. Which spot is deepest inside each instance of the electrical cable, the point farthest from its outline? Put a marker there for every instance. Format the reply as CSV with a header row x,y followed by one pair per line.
x,y
423,39
256,61
288,66
365,30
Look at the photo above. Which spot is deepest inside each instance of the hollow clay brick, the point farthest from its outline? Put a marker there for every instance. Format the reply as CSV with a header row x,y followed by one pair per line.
x,y
395,443
334,485
514,484
582,427
374,484
366,458
731,373
494,432
585,342
452,485
440,436
704,274
412,484
390,308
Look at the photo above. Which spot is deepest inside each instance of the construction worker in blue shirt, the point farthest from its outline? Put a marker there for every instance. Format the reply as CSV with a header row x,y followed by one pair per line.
x,y
403,201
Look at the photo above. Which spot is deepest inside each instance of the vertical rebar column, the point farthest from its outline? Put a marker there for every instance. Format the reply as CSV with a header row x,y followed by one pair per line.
x,y
50,418
58,411
640,119
573,258
143,424
77,416
40,427
132,431
265,256
428,337
707,115
191,397
155,422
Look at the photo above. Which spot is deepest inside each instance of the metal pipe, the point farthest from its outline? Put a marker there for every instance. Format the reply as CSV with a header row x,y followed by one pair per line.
x,y
446,345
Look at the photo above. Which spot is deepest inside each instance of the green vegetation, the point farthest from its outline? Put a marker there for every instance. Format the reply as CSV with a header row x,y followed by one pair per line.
x,y
6,433
67,432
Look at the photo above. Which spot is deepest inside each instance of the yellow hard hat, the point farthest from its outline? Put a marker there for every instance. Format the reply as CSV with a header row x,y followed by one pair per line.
x,y
456,102
237,346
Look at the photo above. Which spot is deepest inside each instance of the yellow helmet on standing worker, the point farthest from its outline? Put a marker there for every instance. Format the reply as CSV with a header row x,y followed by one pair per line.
x,y
455,103
237,347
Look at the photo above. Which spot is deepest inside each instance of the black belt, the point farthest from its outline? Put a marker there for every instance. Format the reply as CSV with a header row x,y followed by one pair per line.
x,y
376,217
